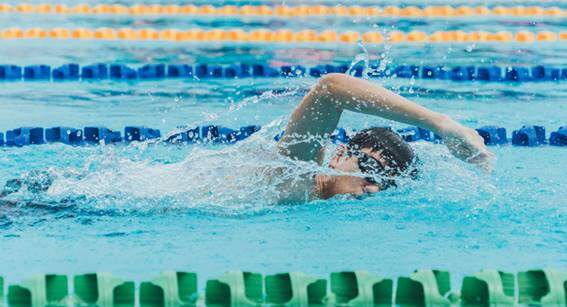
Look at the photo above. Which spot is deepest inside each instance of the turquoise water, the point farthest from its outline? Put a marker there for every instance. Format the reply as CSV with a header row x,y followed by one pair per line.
x,y
139,209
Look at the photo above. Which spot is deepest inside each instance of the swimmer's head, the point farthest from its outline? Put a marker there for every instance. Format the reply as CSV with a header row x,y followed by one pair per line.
x,y
379,153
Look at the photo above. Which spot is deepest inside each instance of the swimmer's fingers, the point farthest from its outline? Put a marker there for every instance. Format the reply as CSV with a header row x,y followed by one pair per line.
x,y
483,159
461,148
470,148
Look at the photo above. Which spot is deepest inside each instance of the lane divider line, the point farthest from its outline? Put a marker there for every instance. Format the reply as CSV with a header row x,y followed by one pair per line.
x,y
101,71
286,11
529,136
348,288
282,35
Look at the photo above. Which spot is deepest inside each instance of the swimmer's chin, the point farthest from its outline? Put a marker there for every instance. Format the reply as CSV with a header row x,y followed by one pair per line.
x,y
350,197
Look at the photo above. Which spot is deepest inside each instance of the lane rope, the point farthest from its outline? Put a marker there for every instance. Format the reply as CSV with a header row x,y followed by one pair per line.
x,y
101,71
239,288
530,135
286,11
282,35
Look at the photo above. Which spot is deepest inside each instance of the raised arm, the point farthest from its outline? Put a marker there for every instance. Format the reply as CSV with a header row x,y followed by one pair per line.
x,y
318,114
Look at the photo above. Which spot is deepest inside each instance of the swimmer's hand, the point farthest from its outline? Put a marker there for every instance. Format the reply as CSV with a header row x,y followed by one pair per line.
x,y
466,144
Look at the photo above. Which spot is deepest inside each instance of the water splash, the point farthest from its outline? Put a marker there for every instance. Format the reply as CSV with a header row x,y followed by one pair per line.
x,y
247,178
362,57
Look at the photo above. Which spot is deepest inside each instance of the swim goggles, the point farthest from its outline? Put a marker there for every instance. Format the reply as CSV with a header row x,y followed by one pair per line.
x,y
370,165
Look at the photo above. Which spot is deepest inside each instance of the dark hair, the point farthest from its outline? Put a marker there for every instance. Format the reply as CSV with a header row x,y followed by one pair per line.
x,y
398,154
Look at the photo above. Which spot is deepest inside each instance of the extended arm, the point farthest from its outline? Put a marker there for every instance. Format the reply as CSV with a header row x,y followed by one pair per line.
x,y
318,115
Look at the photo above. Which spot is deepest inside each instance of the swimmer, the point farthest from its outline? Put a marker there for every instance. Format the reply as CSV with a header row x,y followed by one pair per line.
x,y
372,161
375,152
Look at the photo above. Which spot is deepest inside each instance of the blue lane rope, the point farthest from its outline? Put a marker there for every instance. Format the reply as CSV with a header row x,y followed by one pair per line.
x,y
100,71
212,134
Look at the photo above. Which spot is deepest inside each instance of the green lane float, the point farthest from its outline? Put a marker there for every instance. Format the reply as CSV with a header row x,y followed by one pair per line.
x,y
1,290
170,289
360,288
295,289
39,290
488,287
103,289
424,287
235,288
540,287
545,287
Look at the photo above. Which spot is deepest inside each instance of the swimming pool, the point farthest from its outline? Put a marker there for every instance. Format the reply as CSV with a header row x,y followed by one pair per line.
x,y
136,210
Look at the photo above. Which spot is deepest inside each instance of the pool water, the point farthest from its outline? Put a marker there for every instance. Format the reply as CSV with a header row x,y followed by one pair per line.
x,y
139,209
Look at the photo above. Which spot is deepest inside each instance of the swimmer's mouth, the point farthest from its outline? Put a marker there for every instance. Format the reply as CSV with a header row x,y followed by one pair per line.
x,y
364,195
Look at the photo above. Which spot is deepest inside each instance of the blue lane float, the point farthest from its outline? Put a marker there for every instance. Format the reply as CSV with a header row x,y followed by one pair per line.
x,y
37,72
237,71
179,71
118,71
262,71
10,72
97,135
152,71
203,71
65,135
489,74
493,135
559,137
412,134
25,136
543,73
95,71
99,71
430,72
67,72
140,133
517,74
407,72
528,136
212,134
293,70
320,70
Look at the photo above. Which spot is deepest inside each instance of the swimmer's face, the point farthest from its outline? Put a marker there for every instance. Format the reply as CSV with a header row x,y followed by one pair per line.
x,y
347,162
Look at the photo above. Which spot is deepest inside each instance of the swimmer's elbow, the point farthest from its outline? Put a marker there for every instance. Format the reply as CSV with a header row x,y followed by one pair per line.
x,y
332,81
338,85
330,88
